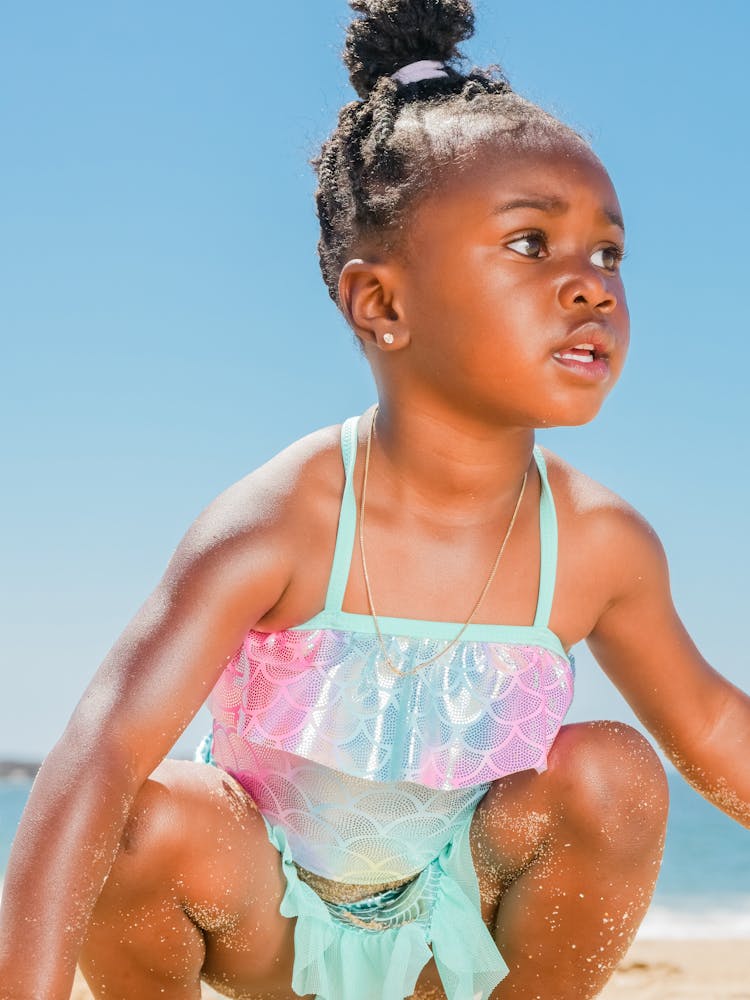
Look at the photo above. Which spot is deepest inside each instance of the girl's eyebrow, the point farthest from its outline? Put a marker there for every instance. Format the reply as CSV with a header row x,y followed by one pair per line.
x,y
553,205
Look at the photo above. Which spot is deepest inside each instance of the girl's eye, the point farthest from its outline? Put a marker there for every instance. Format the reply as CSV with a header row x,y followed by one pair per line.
x,y
612,256
531,240
531,245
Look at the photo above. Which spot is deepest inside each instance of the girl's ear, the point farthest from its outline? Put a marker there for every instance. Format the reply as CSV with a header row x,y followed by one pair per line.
x,y
369,297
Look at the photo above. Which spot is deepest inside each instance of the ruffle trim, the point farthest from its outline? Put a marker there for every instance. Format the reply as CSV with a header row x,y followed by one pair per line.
x,y
482,712
333,960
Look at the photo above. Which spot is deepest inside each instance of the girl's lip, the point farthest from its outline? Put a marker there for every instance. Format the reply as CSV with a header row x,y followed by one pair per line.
x,y
595,370
594,333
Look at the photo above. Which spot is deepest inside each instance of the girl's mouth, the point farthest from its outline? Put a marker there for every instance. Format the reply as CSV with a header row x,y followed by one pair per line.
x,y
583,359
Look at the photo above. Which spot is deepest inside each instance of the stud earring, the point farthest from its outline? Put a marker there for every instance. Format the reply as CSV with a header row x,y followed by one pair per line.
x,y
388,338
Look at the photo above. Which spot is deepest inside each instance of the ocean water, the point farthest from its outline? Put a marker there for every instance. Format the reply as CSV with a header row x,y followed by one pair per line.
x,y
703,889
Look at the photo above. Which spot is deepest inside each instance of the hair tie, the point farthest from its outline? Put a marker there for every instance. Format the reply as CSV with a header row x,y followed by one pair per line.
x,y
423,69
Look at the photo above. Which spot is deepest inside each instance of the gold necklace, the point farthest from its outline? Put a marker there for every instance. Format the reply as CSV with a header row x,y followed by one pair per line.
x,y
452,643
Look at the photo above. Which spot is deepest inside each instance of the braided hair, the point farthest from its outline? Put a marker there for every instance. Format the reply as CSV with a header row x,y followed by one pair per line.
x,y
394,144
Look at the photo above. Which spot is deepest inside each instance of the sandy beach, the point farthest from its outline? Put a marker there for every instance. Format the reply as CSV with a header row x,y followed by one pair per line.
x,y
652,970
682,970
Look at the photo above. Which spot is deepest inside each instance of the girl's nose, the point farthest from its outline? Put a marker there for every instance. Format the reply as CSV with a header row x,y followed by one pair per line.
x,y
588,286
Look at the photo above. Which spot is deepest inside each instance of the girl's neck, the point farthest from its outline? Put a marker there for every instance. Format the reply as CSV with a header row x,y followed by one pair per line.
x,y
456,471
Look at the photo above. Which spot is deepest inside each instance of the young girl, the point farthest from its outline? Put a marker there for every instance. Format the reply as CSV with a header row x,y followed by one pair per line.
x,y
382,615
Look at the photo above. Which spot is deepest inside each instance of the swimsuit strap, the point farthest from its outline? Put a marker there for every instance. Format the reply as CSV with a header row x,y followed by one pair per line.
x,y
548,544
342,555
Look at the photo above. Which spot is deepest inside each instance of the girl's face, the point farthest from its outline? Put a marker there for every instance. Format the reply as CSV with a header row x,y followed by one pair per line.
x,y
512,295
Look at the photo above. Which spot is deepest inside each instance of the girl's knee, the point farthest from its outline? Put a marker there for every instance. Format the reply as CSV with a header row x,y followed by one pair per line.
x,y
177,807
152,829
610,782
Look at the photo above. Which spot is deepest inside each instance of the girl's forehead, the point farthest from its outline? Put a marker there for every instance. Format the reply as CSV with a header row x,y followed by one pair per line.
x,y
557,179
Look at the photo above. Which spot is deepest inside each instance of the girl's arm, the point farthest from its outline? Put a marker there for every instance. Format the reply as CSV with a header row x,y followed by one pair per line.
x,y
229,570
700,719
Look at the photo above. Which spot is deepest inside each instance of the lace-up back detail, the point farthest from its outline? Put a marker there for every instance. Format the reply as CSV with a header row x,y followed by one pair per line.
x,y
370,772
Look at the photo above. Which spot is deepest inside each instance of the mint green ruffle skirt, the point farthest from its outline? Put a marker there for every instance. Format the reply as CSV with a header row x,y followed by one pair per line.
x,y
375,949
437,914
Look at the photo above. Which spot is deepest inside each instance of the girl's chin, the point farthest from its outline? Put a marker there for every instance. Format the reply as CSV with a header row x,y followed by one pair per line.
x,y
570,416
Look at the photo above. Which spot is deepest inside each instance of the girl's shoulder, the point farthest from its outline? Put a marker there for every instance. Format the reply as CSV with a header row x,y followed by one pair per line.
x,y
580,495
599,525
229,571
285,490
245,546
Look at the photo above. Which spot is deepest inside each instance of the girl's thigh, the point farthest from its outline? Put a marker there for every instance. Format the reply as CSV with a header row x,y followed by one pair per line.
x,y
195,890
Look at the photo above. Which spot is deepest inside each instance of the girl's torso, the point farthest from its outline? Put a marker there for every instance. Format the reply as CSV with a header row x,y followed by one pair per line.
x,y
370,771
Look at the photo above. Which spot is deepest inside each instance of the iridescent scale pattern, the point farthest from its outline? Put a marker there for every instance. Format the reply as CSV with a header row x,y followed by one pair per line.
x,y
370,773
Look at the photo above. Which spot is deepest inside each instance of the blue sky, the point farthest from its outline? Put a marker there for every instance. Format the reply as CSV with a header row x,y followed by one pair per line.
x,y
166,329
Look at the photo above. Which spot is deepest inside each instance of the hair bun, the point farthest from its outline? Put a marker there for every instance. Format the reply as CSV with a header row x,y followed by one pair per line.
x,y
392,33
